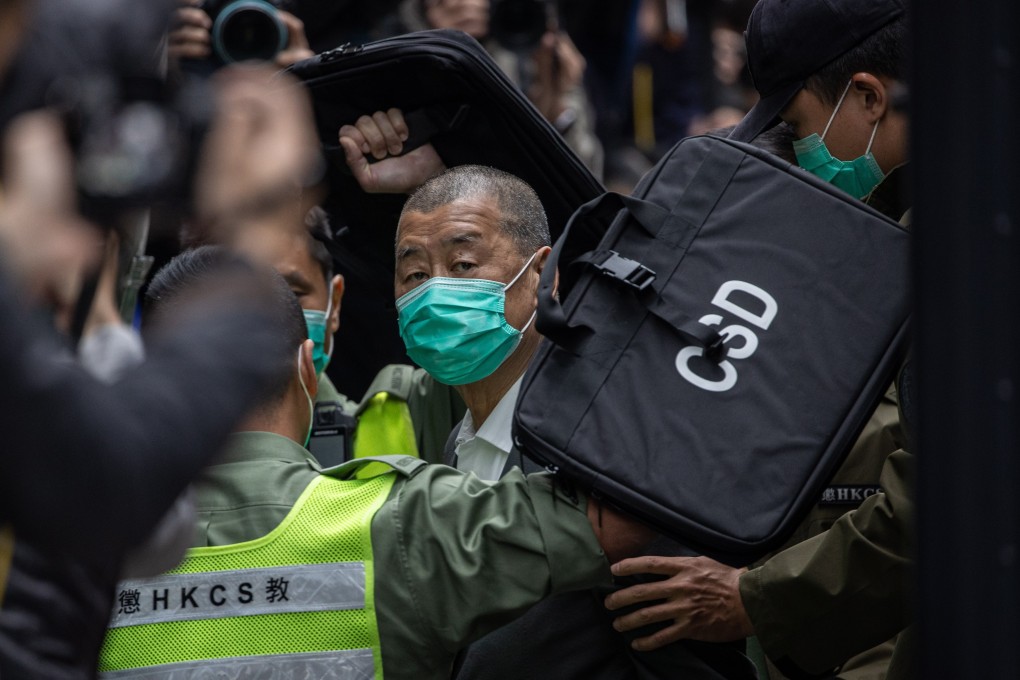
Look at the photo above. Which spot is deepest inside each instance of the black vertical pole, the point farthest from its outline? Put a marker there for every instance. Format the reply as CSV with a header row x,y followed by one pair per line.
x,y
966,153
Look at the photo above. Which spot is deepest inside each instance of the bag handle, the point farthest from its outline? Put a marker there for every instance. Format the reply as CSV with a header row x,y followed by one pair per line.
x,y
636,275
551,320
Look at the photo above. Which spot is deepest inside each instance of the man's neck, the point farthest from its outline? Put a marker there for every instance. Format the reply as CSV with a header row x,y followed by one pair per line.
x,y
483,396
276,421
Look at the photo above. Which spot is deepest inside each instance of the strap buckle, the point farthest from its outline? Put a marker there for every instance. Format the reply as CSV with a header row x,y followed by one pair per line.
x,y
628,271
715,351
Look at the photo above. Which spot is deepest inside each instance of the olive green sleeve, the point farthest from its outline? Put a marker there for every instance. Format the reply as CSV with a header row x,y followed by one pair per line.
x,y
845,590
435,410
473,555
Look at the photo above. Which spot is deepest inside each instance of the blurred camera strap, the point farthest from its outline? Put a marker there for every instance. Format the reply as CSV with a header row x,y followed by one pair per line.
x,y
136,265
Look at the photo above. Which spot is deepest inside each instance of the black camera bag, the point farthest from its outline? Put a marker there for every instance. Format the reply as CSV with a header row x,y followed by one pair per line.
x,y
723,337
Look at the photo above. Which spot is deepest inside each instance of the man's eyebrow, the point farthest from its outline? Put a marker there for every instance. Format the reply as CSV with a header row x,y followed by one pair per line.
x,y
406,252
457,238
461,237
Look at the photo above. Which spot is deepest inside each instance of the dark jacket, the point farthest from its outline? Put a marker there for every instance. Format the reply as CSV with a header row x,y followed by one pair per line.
x,y
88,469
570,636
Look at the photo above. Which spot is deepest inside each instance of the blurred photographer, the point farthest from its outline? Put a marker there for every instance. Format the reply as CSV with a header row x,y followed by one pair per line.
x,y
88,468
524,38
220,32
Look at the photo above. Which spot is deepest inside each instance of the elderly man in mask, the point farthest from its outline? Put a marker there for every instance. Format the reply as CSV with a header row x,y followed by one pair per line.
x,y
471,244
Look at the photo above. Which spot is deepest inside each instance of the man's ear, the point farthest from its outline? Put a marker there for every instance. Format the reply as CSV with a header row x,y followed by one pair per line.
x,y
306,369
541,259
336,293
873,93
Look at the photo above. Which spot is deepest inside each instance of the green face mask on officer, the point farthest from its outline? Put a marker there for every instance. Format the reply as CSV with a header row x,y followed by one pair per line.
x,y
317,322
858,177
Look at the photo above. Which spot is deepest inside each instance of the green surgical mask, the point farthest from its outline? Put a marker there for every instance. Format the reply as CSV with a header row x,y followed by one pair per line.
x,y
455,328
316,322
858,177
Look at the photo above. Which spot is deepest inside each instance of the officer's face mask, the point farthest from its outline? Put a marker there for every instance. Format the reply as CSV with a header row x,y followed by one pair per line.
x,y
317,330
857,177
311,404
456,329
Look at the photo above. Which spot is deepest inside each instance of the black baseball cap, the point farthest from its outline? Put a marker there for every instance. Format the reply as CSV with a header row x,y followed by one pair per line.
x,y
789,40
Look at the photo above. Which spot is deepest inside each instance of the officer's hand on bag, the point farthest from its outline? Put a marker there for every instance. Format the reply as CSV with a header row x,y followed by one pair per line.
x,y
701,599
619,534
44,243
382,136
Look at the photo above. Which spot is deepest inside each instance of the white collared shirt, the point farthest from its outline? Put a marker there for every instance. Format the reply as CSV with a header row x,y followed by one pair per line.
x,y
486,450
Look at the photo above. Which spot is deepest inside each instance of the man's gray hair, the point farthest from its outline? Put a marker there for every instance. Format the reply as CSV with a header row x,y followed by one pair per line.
x,y
522,217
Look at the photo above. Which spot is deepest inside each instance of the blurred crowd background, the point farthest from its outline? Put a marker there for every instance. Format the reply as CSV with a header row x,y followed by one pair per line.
x,y
623,80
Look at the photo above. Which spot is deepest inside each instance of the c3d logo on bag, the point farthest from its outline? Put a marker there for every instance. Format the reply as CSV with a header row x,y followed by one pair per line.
x,y
723,301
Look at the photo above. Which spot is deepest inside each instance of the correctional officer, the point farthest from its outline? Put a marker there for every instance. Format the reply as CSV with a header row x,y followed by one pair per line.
x,y
831,71
404,411
298,572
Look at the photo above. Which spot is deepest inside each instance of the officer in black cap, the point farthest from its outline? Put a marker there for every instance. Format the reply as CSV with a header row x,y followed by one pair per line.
x,y
831,69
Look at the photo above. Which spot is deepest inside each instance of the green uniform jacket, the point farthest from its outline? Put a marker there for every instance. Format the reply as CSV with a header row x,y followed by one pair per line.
x,y
857,477
865,470
822,601
455,557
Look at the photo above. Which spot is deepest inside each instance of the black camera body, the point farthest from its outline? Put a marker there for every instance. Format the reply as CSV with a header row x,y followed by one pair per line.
x,y
332,437
135,140
134,133
245,30
519,25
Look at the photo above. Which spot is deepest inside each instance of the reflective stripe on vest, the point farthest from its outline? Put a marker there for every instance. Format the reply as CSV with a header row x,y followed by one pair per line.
x,y
240,592
294,597
354,664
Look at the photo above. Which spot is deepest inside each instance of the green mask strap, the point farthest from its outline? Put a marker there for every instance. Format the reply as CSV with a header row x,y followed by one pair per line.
x,y
311,404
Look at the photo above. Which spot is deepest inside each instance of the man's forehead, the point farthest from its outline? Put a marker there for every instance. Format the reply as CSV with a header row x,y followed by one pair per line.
x,y
461,221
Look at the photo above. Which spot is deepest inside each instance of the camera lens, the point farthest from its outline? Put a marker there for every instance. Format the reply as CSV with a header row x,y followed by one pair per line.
x,y
248,29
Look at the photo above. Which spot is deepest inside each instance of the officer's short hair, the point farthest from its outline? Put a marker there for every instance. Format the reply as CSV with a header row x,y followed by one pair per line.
x,y
186,276
522,217
883,53
319,231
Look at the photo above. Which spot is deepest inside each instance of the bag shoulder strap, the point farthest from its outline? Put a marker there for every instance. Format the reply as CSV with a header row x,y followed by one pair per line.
x,y
552,321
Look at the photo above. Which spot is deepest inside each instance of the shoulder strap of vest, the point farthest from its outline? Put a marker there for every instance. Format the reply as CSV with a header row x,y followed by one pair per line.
x,y
395,380
408,466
